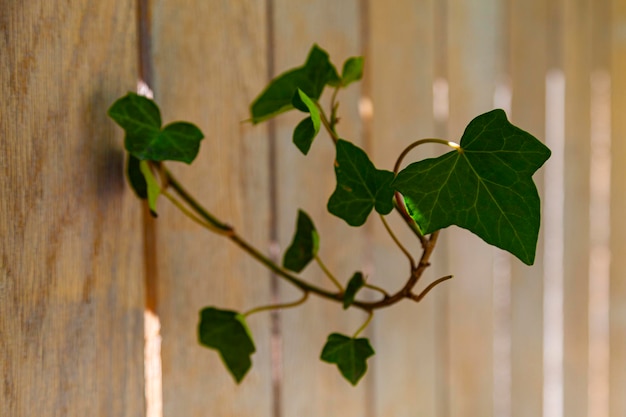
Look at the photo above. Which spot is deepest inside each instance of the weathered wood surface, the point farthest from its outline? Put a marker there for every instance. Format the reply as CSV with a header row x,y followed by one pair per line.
x,y
400,83
528,43
73,262
617,329
71,271
576,65
209,63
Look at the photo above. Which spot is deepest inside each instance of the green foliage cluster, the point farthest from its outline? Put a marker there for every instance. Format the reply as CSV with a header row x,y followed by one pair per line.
x,y
483,184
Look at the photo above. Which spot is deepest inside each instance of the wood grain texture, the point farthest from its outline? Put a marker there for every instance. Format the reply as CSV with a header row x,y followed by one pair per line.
x,y
209,63
401,82
310,387
617,400
71,271
577,69
474,68
527,70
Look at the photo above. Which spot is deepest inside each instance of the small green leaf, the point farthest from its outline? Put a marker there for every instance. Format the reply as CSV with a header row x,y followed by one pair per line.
x,y
311,78
349,354
153,188
352,70
137,115
485,186
135,177
304,246
354,285
227,332
360,186
141,120
308,128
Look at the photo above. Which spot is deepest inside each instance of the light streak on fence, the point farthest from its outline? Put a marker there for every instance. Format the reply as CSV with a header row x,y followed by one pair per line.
x,y
553,209
600,254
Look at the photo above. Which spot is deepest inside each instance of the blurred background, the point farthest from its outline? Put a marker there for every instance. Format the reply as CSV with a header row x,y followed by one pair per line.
x,y
99,302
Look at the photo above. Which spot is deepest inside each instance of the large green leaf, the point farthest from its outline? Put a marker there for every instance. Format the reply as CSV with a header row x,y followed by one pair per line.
x,y
227,332
304,246
308,128
146,140
311,78
354,285
349,354
485,186
360,186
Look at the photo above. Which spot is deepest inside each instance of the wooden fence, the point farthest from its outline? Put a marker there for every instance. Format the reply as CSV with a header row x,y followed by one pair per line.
x,y
82,262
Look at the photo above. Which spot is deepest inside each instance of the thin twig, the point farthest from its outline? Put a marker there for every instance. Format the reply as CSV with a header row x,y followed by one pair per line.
x,y
377,288
326,123
364,325
278,306
418,297
192,216
329,274
397,241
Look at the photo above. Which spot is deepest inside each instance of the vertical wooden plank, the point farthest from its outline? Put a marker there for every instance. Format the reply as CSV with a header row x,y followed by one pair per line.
x,y
400,59
473,69
527,69
617,400
576,67
307,182
209,63
71,269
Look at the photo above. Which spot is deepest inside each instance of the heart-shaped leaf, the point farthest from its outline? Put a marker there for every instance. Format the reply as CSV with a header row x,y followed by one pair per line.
x,y
304,246
352,70
141,120
485,186
354,285
349,354
308,128
360,186
227,332
311,78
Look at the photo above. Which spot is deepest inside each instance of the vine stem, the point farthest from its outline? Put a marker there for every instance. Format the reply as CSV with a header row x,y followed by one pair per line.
x,y
278,306
370,315
229,232
418,297
190,215
326,123
329,274
417,143
397,241
377,288
399,201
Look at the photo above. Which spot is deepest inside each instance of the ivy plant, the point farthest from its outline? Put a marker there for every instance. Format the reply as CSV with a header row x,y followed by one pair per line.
x,y
483,184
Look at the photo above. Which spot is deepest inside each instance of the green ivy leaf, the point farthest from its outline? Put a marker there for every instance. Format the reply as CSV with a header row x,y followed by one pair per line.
x,y
227,332
360,186
349,354
141,120
304,246
352,70
308,128
486,186
135,177
311,78
354,285
153,187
